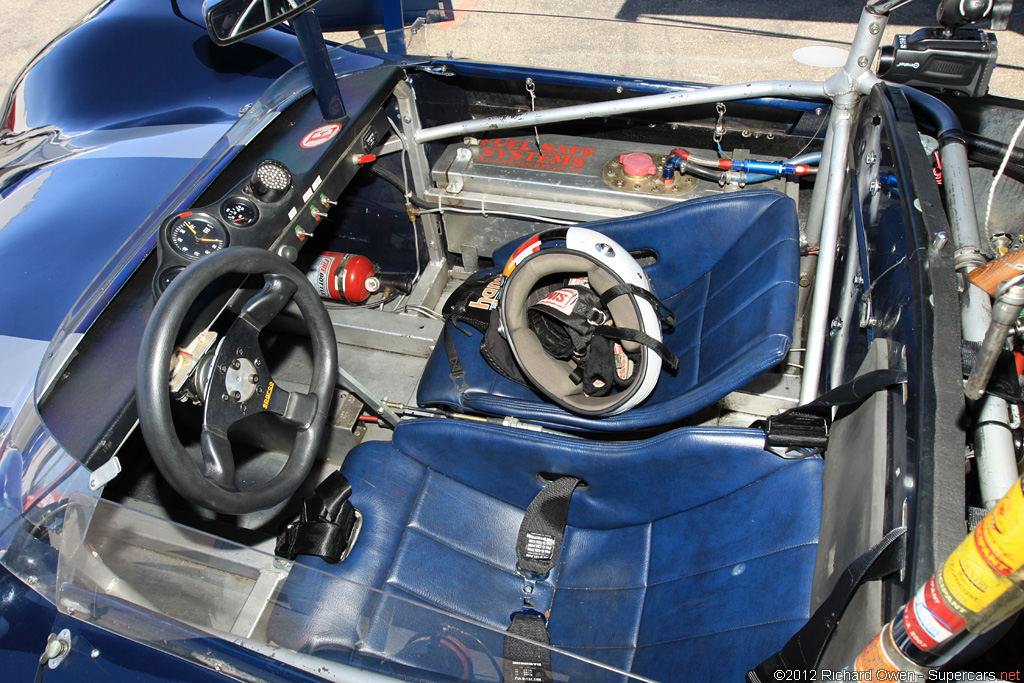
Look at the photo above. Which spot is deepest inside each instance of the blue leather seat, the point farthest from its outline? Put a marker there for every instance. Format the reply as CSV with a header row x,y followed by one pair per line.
x,y
688,555
727,266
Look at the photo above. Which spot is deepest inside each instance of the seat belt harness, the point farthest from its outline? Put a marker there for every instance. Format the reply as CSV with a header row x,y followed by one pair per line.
x,y
326,528
540,535
803,651
523,661
527,654
807,426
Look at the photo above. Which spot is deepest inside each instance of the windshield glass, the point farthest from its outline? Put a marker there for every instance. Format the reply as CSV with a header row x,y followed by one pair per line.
x,y
698,42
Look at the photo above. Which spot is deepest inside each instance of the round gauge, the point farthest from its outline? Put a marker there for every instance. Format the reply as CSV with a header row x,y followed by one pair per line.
x,y
240,212
167,277
193,235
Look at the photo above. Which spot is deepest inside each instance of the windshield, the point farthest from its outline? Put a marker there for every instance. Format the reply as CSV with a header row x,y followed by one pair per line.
x,y
698,42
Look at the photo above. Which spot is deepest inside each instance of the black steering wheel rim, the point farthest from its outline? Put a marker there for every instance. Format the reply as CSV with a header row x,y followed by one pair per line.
x,y
153,396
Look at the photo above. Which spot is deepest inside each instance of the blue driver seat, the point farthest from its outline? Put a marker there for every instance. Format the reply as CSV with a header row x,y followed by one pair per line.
x,y
687,556
727,266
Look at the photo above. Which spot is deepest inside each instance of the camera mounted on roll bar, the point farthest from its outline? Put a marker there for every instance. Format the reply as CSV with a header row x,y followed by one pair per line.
x,y
954,56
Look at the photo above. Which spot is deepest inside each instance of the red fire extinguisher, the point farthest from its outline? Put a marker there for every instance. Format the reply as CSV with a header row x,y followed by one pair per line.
x,y
343,277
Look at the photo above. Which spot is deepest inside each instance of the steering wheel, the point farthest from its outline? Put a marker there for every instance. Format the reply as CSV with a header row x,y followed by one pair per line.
x,y
239,384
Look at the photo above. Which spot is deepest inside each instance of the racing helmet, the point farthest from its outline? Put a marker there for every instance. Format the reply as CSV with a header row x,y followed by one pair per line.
x,y
572,287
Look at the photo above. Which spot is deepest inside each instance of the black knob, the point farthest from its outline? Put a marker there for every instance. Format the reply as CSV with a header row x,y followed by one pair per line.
x,y
955,13
271,180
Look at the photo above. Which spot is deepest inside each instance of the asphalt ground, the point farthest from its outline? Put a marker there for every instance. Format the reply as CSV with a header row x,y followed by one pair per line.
x,y
712,41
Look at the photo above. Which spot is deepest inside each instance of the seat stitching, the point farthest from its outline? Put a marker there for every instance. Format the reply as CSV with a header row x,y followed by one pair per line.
x,y
784,468
448,611
643,600
677,640
749,264
689,576
754,368
699,333
437,540
742,351
704,277
412,509
736,310
624,447
726,630
746,559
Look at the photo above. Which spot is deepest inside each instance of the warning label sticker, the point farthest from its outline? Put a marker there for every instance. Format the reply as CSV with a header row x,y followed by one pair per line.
x,y
928,620
873,659
525,154
1000,536
969,581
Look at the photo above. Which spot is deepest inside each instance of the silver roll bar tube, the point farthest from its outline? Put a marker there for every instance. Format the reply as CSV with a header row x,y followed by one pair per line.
x,y
994,452
845,88
681,98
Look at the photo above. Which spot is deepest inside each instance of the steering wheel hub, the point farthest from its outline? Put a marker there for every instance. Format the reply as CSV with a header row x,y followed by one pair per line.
x,y
236,384
241,380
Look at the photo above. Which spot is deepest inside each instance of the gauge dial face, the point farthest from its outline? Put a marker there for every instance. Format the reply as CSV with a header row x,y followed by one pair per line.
x,y
194,236
240,212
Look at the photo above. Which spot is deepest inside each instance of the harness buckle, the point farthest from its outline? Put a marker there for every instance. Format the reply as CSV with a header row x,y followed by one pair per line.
x,y
459,380
596,317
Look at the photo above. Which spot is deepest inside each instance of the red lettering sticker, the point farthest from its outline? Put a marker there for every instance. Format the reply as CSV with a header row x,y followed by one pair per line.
x,y
523,154
315,138
928,620
561,300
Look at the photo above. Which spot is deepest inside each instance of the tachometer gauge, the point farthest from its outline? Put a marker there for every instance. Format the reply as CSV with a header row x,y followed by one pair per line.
x,y
240,212
193,235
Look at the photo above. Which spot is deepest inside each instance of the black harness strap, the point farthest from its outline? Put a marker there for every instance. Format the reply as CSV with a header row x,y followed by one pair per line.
x,y
324,527
664,312
540,535
624,334
524,662
807,426
457,374
803,651
538,546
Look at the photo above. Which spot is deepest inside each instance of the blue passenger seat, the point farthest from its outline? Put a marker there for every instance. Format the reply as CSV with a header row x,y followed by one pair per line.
x,y
688,556
728,266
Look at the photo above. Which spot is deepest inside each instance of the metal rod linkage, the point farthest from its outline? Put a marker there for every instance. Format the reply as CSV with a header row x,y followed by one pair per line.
x,y
1005,311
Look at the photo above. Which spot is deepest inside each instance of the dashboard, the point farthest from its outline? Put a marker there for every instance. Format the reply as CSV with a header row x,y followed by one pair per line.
x,y
278,189
90,407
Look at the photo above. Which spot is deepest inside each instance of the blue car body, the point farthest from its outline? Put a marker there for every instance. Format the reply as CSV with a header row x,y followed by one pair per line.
x,y
114,113
122,122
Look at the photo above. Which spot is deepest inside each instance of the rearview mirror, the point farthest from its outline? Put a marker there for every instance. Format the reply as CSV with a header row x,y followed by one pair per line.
x,y
229,21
